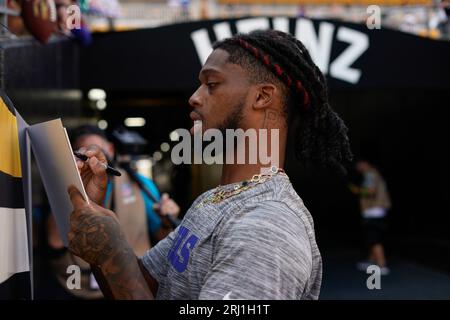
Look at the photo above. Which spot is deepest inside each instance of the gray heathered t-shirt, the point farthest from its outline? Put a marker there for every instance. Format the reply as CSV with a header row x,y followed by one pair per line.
x,y
259,244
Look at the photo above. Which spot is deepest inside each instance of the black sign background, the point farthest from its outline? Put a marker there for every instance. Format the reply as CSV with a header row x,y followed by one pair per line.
x,y
164,59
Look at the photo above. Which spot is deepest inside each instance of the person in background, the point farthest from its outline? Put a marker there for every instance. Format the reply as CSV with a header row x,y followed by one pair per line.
x,y
375,203
444,18
70,24
62,14
143,221
15,22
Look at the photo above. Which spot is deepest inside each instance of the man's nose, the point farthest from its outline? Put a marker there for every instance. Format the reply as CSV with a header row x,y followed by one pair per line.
x,y
195,99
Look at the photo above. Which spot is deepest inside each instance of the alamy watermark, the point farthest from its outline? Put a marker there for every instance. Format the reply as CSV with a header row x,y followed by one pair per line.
x,y
374,280
235,146
73,281
374,17
73,20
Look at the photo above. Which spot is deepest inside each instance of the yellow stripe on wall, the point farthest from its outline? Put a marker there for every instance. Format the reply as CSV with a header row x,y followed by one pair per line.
x,y
9,143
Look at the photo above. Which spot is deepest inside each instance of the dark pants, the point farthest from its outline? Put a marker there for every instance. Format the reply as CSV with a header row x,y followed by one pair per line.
x,y
374,229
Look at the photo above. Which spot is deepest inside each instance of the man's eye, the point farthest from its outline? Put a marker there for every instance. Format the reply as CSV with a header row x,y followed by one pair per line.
x,y
211,85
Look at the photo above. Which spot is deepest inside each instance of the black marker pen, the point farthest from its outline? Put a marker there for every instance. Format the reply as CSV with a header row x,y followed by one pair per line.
x,y
109,169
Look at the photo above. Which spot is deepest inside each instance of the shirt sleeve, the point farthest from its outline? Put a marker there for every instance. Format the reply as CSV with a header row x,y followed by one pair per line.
x,y
264,253
155,259
154,221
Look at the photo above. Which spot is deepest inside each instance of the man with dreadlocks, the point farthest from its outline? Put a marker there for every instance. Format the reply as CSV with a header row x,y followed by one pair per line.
x,y
252,237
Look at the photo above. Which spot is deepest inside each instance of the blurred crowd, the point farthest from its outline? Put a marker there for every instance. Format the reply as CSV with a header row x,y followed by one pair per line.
x,y
430,20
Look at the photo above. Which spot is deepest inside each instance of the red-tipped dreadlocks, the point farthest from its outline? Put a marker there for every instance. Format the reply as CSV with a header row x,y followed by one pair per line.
x,y
276,69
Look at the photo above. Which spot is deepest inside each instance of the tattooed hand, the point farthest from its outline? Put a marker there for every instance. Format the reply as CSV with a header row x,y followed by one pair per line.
x,y
93,173
95,234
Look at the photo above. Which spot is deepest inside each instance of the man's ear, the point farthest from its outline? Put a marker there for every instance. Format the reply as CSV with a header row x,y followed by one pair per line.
x,y
265,96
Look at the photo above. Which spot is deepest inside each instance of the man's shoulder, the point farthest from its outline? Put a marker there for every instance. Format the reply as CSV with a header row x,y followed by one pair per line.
x,y
272,209
265,219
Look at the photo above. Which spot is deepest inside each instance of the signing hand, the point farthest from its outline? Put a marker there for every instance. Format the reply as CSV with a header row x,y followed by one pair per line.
x,y
95,234
93,173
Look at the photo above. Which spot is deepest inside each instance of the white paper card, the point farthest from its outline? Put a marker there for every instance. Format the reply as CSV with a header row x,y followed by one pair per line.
x,y
56,163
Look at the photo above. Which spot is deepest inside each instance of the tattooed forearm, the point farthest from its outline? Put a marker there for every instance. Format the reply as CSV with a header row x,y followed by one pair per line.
x,y
95,237
98,240
124,276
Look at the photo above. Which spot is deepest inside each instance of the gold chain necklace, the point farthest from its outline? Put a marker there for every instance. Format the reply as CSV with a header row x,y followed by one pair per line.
x,y
221,194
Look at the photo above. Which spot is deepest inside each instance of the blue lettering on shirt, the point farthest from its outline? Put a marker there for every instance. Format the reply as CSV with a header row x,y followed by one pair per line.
x,y
179,258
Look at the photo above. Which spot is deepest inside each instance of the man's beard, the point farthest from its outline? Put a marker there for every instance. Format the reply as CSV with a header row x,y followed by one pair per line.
x,y
233,121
